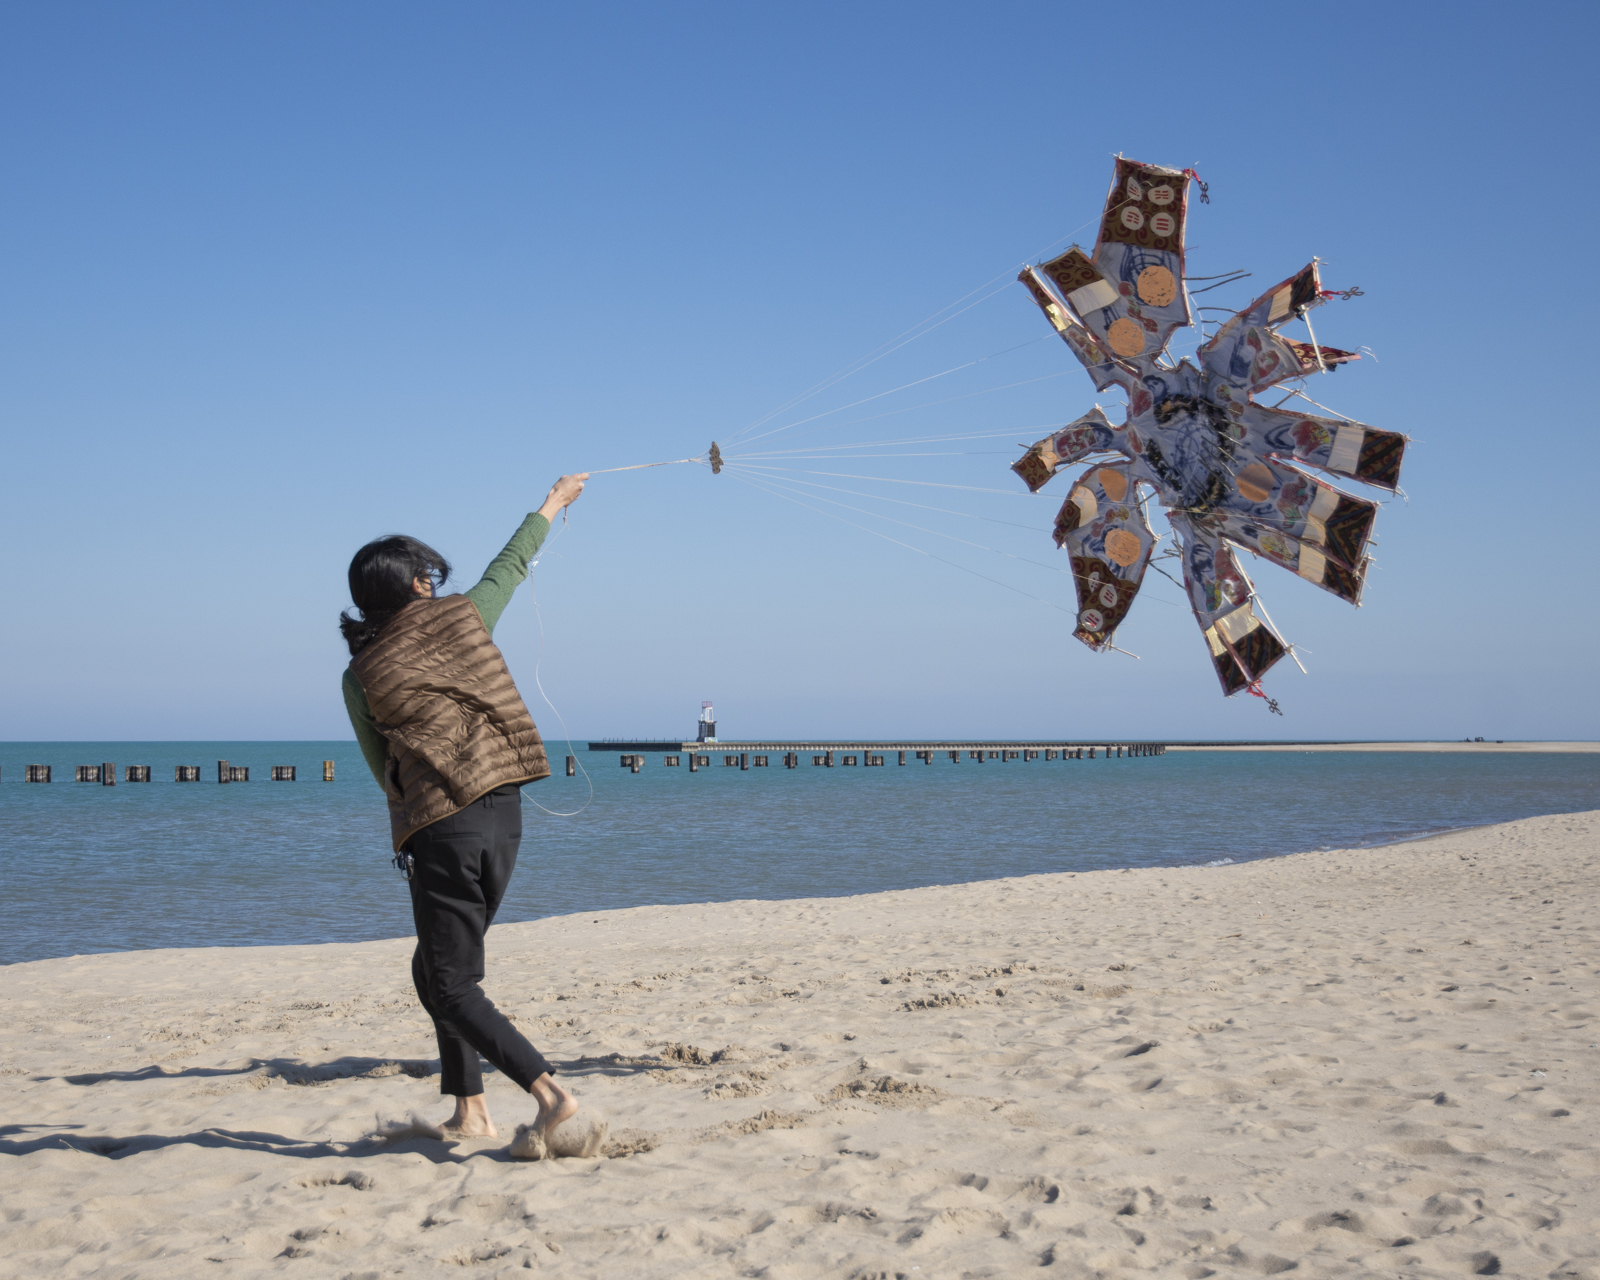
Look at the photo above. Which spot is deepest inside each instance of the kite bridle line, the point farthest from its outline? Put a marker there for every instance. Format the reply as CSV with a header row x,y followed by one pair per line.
x,y
918,550
905,386
924,327
774,486
922,529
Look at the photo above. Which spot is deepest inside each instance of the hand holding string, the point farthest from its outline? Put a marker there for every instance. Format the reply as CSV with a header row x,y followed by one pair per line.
x,y
563,493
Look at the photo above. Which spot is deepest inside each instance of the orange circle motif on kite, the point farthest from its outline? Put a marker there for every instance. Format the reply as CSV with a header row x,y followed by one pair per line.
x,y
1123,547
1126,337
1157,286
1255,482
1115,483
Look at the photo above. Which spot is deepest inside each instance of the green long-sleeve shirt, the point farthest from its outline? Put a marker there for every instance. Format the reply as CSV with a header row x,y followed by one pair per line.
x,y
491,596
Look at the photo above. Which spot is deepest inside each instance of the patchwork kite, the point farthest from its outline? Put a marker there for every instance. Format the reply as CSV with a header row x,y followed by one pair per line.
x,y
1216,460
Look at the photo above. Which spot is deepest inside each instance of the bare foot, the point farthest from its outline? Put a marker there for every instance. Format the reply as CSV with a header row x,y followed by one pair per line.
x,y
471,1120
555,1104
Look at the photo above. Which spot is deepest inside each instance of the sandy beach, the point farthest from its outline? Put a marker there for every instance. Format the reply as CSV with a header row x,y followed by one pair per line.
x,y
1377,1061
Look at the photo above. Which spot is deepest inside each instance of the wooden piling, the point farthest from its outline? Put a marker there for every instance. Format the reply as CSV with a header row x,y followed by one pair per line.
x,y
222,771
902,757
136,773
283,772
572,766
694,763
108,774
186,773
744,762
327,770
37,773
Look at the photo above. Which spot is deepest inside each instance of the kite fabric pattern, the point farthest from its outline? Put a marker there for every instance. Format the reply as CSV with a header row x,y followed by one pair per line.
x,y
1223,466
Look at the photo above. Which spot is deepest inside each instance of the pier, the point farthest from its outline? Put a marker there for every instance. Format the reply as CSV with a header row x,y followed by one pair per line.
x,y
869,753
829,752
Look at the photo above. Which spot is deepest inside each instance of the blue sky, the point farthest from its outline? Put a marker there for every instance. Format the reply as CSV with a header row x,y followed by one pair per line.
x,y
280,278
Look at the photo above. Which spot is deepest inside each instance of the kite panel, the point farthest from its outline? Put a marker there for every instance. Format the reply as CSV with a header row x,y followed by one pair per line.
x,y
1248,351
1345,448
1102,527
1243,645
1120,313
1304,558
1140,252
1103,367
1276,496
1092,433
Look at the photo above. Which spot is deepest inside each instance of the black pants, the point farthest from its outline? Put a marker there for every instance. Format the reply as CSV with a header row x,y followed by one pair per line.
x,y
462,866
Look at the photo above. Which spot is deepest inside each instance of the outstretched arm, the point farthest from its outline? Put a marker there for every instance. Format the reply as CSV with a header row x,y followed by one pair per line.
x,y
499,582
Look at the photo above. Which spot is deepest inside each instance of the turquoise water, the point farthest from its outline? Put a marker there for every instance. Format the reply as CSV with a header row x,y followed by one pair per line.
x,y
90,868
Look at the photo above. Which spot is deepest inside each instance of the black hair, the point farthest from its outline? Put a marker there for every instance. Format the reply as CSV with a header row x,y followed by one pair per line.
x,y
380,584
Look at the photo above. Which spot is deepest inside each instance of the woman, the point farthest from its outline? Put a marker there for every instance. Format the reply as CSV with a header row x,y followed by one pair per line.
x,y
450,742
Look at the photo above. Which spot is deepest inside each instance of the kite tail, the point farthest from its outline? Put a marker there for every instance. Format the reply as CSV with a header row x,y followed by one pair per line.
x,y
1272,703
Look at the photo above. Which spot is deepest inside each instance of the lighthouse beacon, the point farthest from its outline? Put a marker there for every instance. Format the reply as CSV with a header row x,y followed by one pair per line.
x,y
708,723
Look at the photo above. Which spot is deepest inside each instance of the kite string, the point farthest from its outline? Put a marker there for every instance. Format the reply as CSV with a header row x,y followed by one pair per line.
x,y
567,734
640,466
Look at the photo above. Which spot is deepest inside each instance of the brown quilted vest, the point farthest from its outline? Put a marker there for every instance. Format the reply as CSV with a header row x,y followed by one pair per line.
x,y
456,725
